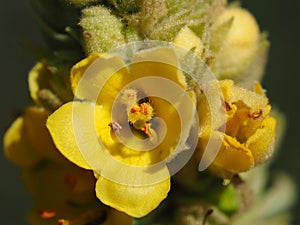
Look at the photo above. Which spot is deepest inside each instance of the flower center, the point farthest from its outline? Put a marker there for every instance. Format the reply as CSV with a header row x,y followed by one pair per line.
x,y
139,112
139,117
134,122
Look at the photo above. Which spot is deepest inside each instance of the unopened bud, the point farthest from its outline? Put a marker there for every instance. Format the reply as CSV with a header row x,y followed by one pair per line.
x,y
239,42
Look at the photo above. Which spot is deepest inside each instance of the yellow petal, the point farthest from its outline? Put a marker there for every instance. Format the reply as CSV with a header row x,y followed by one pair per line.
x,y
135,201
99,77
179,117
158,62
38,79
234,94
226,86
210,108
60,125
112,85
261,143
17,147
233,156
251,99
38,135
233,126
72,183
248,126
258,88
78,71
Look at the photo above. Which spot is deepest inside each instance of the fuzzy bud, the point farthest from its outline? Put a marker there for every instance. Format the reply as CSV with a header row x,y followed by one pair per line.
x,y
127,5
101,29
239,42
81,3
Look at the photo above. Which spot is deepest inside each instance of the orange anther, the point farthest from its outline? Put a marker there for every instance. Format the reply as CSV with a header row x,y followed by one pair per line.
x,y
135,109
255,115
146,129
144,108
63,222
228,107
47,214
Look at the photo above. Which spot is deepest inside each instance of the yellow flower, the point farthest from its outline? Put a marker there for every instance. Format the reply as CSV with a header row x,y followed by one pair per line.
x,y
249,131
59,188
125,178
27,142
63,194
47,88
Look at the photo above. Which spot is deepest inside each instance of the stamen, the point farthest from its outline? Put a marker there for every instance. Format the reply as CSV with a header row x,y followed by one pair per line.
x,y
140,115
144,108
135,109
255,115
89,218
115,126
228,107
146,129
47,214
63,222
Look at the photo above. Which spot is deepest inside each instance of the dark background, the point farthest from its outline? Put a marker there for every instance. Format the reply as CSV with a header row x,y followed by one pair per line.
x,y
282,80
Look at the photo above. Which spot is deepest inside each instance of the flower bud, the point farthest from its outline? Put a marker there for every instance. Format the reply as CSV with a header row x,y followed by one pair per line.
x,y
81,3
101,29
187,39
236,33
127,5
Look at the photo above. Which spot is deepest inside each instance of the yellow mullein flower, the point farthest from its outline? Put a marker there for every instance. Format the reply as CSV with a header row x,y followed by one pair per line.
x,y
140,189
56,185
60,189
63,194
28,141
249,133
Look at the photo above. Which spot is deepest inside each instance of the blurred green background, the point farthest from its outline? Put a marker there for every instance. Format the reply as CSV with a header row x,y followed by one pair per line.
x,y
282,80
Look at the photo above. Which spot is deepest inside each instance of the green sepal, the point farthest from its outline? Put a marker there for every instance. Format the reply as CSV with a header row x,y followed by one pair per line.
x,y
228,202
83,3
127,6
218,34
